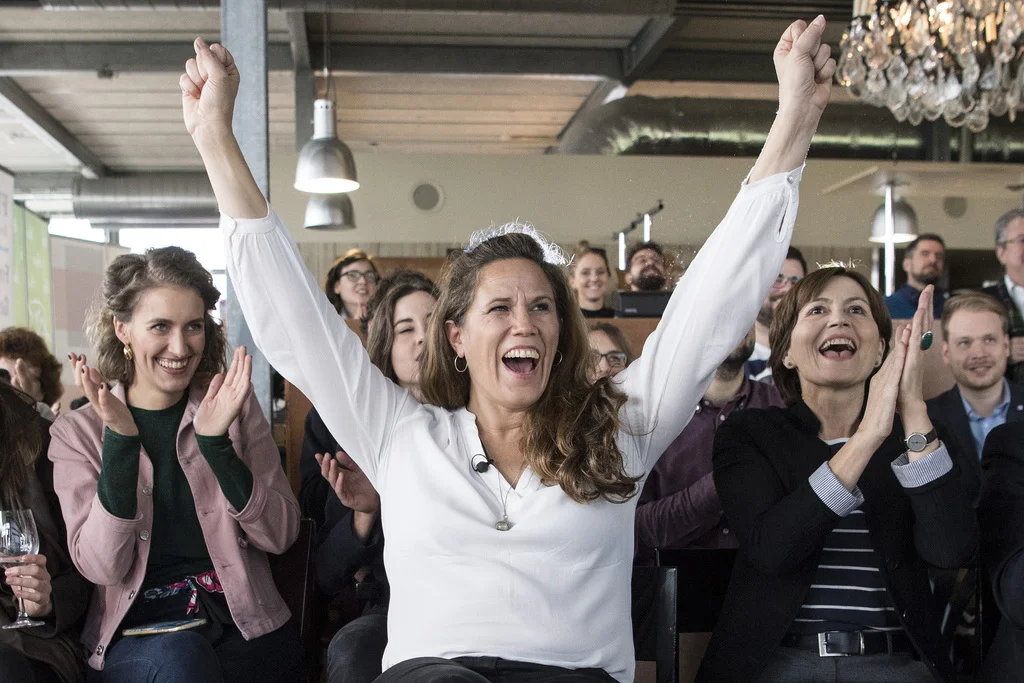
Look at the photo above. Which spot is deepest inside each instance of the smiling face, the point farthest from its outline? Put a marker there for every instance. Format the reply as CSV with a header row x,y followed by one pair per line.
x,y
646,271
167,336
412,312
590,281
508,335
1011,252
977,349
601,365
356,292
835,342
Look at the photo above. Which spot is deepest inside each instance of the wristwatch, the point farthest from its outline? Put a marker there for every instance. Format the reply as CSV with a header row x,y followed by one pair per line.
x,y
917,442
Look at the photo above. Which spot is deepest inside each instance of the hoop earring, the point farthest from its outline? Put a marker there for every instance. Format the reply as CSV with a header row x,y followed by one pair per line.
x,y
457,359
559,355
129,356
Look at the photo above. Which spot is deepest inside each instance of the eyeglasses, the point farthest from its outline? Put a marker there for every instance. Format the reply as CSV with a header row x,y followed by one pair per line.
x,y
1019,241
615,359
354,276
792,280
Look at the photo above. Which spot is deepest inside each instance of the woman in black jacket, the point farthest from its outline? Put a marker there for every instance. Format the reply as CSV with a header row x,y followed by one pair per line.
x,y
52,589
839,504
351,542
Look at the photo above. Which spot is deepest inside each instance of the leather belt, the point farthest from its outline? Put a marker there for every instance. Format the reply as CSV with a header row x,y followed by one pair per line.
x,y
846,643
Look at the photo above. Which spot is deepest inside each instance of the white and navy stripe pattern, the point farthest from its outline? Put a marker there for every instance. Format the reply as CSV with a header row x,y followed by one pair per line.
x,y
848,593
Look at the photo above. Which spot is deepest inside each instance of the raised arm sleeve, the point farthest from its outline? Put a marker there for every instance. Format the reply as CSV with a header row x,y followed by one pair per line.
x,y
305,339
711,309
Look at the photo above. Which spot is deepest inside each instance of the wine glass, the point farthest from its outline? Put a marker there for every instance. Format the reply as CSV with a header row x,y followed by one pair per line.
x,y
18,537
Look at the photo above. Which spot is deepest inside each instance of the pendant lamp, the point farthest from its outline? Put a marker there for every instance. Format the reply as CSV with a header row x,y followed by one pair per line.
x,y
329,212
325,163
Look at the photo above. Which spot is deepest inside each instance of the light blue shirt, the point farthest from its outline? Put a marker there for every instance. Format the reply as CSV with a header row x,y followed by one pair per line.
x,y
981,426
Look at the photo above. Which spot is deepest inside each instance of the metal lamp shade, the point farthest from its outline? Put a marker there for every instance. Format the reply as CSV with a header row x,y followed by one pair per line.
x,y
330,212
325,163
904,223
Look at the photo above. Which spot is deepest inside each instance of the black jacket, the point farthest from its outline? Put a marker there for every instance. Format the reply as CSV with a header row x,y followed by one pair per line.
x,y
762,461
340,553
1001,515
1014,371
948,408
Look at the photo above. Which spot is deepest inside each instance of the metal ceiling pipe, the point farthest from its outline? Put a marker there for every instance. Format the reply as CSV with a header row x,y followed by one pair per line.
x,y
165,198
701,127
619,7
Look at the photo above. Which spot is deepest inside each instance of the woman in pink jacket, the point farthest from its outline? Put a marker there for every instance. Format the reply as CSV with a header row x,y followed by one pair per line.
x,y
172,489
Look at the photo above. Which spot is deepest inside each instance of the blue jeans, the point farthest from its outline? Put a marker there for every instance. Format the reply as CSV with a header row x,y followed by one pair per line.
x,y
188,657
356,651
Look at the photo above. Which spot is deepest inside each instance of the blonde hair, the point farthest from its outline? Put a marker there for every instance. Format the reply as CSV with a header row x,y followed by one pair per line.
x,y
977,302
569,433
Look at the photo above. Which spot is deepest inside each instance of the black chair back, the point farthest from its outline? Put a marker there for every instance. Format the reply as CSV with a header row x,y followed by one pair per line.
x,y
703,576
655,637
293,577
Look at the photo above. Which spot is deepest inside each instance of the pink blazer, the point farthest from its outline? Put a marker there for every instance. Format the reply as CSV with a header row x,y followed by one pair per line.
x,y
112,552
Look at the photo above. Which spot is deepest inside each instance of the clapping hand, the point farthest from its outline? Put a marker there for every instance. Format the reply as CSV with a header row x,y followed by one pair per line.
x,y
26,378
31,582
208,89
349,482
224,399
804,67
113,411
912,380
884,391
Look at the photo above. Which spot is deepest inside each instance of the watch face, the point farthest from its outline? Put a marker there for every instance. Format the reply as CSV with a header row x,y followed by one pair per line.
x,y
916,442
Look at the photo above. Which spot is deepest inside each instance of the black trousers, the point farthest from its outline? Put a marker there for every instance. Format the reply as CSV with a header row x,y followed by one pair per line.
x,y
16,667
486,670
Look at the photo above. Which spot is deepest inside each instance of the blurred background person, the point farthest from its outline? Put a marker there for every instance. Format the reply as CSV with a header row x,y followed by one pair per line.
x,y
924,262
32,368
794,269
610,351
351,282
589,273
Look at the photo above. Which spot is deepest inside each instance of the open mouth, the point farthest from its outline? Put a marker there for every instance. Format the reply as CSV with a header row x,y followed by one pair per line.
x,y
173,367
521,361
838,348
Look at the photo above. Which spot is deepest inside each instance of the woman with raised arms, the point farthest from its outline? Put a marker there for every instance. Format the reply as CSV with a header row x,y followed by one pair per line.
x,y
508,495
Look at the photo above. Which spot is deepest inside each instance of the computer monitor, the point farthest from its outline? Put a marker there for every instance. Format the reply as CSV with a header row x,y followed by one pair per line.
x,y
630,304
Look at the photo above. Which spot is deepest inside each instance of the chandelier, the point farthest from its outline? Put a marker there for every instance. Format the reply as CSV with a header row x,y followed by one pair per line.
x,y
958,59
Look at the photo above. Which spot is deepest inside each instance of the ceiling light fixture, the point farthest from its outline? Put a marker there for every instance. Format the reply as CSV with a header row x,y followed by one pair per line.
x,y
325,163
329,212
925,59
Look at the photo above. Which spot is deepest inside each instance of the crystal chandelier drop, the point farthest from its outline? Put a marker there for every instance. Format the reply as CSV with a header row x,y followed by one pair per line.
x,y
958,59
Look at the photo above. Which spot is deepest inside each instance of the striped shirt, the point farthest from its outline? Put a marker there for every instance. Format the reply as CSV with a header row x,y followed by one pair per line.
x,y
848,592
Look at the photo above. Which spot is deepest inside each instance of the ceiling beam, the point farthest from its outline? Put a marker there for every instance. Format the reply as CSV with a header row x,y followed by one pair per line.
x,y
622,7
305,90
696,65
450,59
19,104
647,45
108,59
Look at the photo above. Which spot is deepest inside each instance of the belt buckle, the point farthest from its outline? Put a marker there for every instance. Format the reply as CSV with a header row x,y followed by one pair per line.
x,y
823,645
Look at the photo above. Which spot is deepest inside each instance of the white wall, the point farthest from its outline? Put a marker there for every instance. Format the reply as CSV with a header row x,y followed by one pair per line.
x,y
575,197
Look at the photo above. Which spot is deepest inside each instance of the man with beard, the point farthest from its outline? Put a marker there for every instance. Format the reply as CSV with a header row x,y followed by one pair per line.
x,y
646,267
923,262
976,349
794,268
679,506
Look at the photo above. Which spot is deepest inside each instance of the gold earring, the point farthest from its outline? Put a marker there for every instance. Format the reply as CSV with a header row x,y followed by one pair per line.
x,y
129,356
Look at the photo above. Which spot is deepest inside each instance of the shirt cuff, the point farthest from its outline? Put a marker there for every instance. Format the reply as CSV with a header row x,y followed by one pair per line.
x,y
791,178
922,471
833,493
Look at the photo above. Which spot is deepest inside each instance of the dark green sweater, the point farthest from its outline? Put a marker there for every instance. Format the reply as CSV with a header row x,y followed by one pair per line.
x,y
177,546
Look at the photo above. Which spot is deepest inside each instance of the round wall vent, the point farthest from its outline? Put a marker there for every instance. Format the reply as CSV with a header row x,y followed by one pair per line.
x,y
427,197
955,207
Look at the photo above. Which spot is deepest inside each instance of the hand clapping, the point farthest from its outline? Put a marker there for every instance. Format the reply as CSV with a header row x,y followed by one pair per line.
x,y
225,397
113,411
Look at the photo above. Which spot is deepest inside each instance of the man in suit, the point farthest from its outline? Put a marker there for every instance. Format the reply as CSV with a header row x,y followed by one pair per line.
x,y
976,347
1001,518
1010,290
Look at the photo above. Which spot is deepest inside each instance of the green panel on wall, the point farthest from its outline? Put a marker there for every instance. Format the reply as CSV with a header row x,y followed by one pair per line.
x,y
33,301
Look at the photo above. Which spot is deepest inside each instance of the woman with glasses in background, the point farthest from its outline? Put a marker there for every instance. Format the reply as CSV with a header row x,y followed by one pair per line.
x,y
351,282
610,351
588,277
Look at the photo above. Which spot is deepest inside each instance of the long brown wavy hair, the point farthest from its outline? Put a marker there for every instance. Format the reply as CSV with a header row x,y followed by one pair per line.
x,y
569,433
380,311
126,280
23,437
23,343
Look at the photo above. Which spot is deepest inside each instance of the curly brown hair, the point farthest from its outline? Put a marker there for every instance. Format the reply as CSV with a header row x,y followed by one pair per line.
x,y
126,280
787,380
23,343
22,432
569,434
380,336
334,274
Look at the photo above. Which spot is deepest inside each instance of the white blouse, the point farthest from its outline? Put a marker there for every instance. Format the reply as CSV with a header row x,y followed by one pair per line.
x,y
555,589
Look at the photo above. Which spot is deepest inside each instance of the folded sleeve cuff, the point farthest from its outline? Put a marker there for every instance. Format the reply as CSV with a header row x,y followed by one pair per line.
x,y
833,493
773,181
924,470
251,225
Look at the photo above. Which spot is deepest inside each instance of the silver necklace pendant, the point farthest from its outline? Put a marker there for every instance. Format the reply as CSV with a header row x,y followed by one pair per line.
x,y
503,525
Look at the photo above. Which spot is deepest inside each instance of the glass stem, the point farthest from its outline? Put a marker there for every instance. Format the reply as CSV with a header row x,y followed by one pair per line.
x,y
22,614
